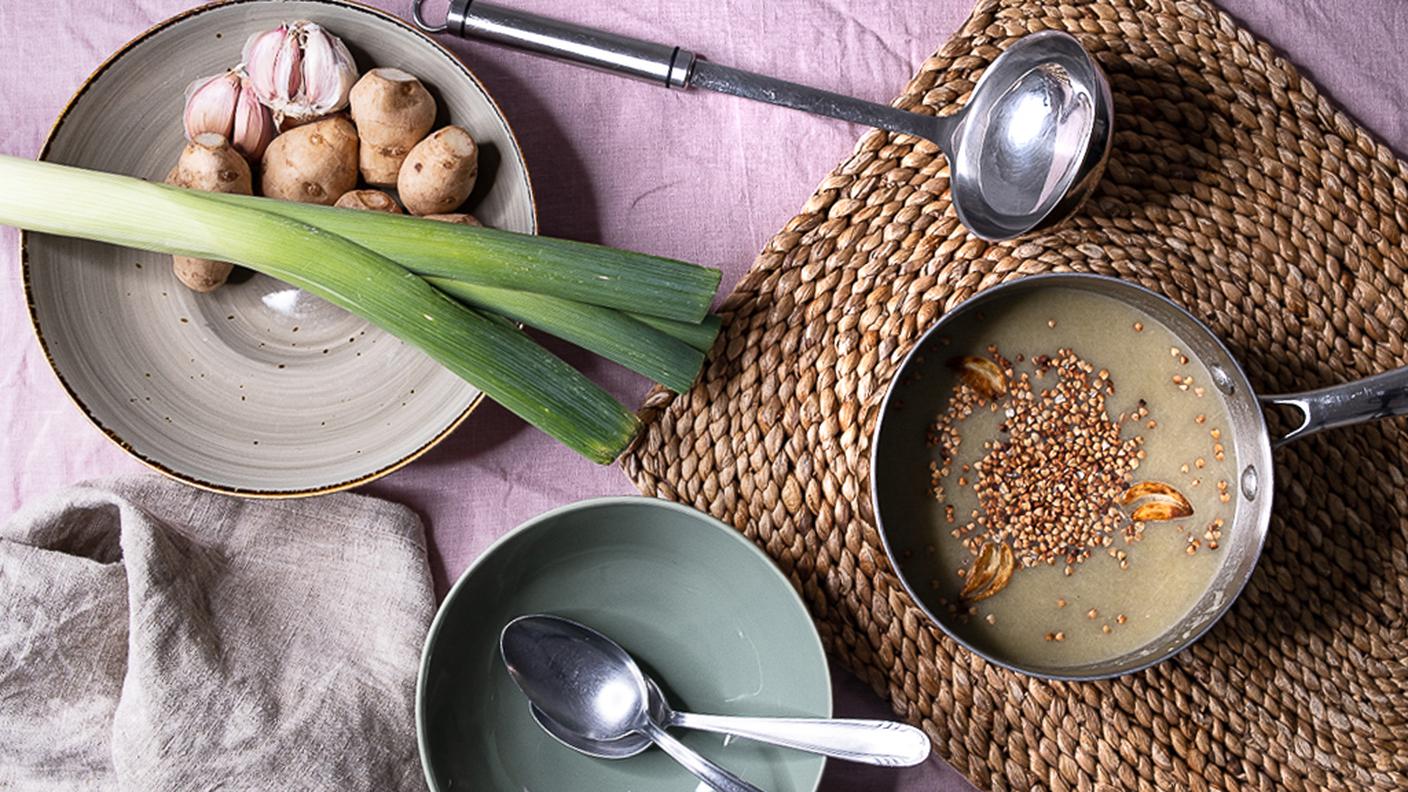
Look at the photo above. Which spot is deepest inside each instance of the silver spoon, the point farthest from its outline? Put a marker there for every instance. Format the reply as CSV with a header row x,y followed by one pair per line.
x,y
883,743
1023,154
590,685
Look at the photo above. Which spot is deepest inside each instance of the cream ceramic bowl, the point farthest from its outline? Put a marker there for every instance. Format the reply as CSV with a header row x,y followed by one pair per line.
x,y
256,389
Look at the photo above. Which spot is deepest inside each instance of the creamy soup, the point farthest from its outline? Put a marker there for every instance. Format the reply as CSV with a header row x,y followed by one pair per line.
x,y
1079,479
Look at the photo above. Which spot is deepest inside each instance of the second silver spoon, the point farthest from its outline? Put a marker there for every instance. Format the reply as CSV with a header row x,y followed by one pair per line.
x,y
875,742
589,684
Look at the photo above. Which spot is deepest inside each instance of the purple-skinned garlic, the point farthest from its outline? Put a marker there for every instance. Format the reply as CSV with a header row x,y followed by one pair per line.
x,y
210,105
254,124
300,71
264,49
226,105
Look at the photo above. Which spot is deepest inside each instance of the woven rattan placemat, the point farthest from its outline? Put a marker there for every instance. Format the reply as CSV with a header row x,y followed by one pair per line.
x,y
1235,189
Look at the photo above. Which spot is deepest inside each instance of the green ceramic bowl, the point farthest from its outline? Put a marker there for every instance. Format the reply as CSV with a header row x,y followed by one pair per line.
x,y
696,603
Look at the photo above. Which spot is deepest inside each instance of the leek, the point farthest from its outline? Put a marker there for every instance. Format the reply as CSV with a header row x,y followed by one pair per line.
x,y
501,361
577,271
699,335
611,334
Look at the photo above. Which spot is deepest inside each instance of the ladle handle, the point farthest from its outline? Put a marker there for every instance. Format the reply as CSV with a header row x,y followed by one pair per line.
x,y
702,768
1380,396
664,64
762,88
629,57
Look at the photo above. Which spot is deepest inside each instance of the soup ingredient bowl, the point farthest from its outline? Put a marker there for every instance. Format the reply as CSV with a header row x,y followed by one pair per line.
x,y
700,608
256,389
1249,440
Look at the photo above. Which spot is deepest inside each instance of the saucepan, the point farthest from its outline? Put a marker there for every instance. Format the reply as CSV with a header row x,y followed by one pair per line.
x,y
1250,442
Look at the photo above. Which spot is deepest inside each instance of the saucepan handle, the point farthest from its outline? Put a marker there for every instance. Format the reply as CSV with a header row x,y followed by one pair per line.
x,y
1380,396
662,64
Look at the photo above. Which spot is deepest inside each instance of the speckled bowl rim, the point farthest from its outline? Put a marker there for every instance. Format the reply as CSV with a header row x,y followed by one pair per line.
x,y
488,559
30,305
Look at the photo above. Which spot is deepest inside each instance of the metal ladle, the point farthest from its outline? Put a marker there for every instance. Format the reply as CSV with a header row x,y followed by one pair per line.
x,y
1023,154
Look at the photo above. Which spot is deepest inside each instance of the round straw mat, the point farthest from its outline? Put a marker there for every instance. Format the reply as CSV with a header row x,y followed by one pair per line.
x,y
1234,188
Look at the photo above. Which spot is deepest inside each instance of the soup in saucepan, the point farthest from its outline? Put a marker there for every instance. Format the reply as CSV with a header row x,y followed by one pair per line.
x,y
1077,483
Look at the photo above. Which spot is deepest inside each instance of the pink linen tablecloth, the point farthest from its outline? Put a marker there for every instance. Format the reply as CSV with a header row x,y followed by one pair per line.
x,y
695,176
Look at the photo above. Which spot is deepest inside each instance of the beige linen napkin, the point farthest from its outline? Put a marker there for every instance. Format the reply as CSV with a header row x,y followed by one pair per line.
x,y
155,637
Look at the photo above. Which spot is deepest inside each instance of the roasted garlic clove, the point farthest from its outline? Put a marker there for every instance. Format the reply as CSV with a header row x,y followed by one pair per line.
x,y
1163,502
980,374
991,572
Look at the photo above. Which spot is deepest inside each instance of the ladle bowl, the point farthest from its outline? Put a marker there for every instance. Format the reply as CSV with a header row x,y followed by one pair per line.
x,y
1031,144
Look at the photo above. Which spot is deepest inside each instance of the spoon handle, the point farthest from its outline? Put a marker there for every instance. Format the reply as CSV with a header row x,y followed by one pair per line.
x,y
875,742
702,768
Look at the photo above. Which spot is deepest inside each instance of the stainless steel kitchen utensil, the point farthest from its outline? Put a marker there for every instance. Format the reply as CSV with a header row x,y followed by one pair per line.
x,y
876,742
1249,440
589,684
1025,151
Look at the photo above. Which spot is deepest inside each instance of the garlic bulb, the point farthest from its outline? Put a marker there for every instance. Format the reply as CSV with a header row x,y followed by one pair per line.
x,y
226,105
299,70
